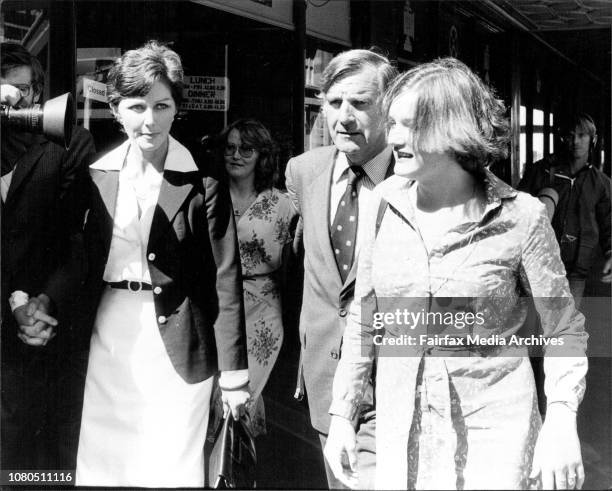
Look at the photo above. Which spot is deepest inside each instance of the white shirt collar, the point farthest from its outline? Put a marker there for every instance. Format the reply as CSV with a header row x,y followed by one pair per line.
x,y
375,168
178,159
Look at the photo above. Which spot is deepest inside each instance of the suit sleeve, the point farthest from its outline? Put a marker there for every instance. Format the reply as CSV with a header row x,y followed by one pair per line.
x,y
292,189
64,282
230,334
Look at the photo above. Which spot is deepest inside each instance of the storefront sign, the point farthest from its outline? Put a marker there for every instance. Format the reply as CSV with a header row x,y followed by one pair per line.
x,y
329,20
205,93
94,90
277,12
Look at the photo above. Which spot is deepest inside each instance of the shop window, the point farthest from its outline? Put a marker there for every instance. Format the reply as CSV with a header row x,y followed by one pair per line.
x,y
93,65
538,135
316,133
551,137
522,139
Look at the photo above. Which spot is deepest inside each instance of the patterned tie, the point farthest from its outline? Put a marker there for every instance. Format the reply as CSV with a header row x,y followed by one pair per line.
x,y
344,228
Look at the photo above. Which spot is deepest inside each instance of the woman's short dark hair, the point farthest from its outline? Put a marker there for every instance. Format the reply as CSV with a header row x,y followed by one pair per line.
x,y
13,55
135,72
455,112
255,134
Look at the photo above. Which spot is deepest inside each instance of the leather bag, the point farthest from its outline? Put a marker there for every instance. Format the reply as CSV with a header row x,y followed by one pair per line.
x,y
233,459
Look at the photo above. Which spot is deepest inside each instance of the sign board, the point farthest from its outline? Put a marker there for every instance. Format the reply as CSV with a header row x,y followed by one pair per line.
x,y
205,93
330,21
94,90
275,12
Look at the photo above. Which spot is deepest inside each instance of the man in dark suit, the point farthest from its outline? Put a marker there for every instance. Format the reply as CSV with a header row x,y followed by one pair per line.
x,y
330,187
42,215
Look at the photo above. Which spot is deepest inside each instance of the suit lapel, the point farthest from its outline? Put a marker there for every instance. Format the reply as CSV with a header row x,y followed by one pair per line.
x,y
174,190
320,201
24,167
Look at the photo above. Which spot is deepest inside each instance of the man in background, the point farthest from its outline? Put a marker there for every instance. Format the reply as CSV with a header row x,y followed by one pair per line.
x,y
43,188
578,196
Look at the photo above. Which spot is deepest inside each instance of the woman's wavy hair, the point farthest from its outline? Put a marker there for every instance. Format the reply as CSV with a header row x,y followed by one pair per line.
x,y
255,134
135,72
455,112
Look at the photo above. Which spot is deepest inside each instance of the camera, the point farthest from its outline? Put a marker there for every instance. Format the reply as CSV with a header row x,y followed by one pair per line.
x,y
53,119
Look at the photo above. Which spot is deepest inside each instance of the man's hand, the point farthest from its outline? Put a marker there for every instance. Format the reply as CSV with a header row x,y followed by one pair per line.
x,y
9,95
36,326
340,451
235,401
607,271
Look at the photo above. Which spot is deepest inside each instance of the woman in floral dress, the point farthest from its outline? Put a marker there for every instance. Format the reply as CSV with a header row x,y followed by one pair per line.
x,y
265,219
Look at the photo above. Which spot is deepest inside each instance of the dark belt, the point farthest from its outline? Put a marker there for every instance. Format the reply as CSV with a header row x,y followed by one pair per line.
x,y
133,286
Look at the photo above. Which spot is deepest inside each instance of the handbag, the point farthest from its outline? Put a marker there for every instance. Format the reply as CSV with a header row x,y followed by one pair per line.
x,y
233,459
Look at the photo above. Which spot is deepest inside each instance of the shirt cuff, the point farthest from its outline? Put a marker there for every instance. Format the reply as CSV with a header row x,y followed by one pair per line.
x,y
18,299
570,405
234,379
345,409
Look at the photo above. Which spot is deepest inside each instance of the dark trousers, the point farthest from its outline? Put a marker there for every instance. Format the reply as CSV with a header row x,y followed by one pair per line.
x,y
366,453
41,405
28,383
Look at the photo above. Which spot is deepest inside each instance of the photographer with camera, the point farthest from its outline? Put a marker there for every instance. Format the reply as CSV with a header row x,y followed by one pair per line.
x,y
42,216
577,195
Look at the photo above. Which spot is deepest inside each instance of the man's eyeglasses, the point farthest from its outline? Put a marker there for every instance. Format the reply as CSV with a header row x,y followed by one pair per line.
x,y
25,89
244,150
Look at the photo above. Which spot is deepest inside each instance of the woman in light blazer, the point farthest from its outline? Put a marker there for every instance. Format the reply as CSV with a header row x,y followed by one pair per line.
x,y
163,292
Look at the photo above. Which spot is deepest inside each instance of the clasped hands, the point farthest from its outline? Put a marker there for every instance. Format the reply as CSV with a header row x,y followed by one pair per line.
x,y
36,326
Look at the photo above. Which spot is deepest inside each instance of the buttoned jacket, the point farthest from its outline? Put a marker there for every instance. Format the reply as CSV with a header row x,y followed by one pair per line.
x,y
192,257
325,297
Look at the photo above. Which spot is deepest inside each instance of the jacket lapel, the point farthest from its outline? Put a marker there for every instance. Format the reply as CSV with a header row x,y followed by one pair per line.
x,y
321,191
175,189
107,184
24,167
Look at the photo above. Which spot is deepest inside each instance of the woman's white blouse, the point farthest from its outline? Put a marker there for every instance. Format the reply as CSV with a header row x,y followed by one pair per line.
x,y
136,199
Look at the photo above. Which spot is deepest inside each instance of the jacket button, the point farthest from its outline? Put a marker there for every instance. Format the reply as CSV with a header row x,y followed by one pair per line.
x,y
157,290
342,312
162,319
334,354
151,256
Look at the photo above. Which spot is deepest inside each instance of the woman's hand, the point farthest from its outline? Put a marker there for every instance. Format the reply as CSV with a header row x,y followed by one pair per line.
x,y
235,401
340,451
557,459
